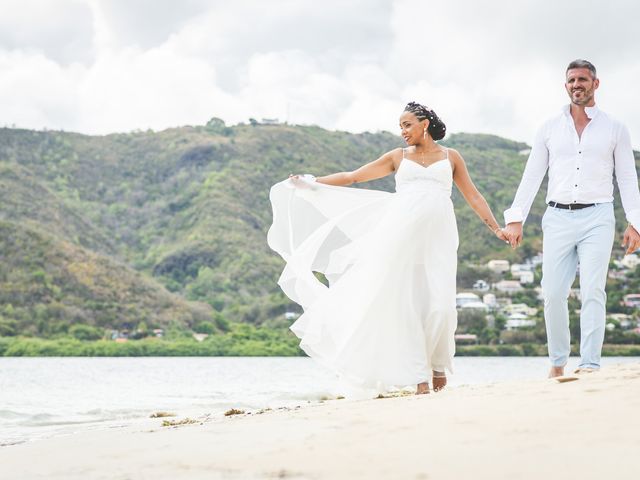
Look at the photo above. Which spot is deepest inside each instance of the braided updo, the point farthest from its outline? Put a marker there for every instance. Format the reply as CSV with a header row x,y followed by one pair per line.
x,y
437,129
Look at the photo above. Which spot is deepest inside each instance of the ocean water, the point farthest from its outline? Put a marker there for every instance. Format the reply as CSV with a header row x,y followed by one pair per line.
x,y
46,397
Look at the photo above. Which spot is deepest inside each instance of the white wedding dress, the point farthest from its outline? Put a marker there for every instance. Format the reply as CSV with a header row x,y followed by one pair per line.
x,y
388,316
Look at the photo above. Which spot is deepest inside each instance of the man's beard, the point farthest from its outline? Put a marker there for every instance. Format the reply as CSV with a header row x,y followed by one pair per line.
x,y
587,96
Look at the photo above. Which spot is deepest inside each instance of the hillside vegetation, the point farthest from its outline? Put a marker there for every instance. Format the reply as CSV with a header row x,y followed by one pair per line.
x,y
168,229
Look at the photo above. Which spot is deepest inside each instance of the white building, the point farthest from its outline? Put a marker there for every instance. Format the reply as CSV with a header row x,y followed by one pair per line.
x,y
526,277
630,261
520,309
518,268
481,306
498,266
517,320
631,300
489,299
625,321
508,286
535,260
465,338
463,298
617,274
481,286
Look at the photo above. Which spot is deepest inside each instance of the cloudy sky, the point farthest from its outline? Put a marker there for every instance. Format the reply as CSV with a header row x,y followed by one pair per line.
x,y
497,66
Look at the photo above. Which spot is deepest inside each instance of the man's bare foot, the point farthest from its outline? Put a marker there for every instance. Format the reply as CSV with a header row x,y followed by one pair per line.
x,y
556,372
423,388
439,380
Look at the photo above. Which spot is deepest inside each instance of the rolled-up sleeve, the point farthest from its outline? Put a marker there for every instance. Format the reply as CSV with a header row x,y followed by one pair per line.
x,y
534,172
627,177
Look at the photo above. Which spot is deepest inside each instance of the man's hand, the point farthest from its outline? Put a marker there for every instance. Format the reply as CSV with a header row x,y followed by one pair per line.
x,y
631,240
513,232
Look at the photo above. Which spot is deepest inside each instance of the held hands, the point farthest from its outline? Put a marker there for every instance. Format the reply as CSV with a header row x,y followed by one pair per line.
x,y
631,240
499,232
513,234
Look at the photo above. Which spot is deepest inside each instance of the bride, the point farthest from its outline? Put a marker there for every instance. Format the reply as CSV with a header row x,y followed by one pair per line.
x,y
386,317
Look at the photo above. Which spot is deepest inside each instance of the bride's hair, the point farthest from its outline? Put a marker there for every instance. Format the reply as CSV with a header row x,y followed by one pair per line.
x,y
436,128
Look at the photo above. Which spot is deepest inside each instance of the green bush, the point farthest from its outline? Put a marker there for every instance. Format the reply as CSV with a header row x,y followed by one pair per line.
x,y
205,327
85,332
8,328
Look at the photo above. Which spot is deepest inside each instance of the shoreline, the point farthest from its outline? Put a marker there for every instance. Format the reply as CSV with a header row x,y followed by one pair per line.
x,y
15,347
525,430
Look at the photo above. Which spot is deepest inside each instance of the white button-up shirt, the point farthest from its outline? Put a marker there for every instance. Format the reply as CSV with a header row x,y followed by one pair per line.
x,y
580,168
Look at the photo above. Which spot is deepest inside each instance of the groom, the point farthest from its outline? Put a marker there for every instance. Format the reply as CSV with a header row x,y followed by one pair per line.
x,y
581,148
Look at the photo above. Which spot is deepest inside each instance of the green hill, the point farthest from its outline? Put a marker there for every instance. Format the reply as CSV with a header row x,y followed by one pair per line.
x,y
168,227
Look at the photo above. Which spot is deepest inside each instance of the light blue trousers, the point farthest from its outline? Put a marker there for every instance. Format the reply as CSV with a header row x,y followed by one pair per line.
x,y
571,238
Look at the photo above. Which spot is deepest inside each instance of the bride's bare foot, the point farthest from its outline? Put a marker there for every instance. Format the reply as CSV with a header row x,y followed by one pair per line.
x,y
556,372
439,380
423,388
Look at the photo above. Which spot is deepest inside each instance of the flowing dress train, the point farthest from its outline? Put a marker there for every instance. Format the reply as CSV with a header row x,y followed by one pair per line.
x,y
388,316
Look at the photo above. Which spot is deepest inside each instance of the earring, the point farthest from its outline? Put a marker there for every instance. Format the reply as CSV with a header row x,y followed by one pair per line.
x,y
425,134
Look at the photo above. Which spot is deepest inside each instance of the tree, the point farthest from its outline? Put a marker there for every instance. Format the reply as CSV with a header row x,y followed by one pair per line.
x,y
85,332
470,321
7,327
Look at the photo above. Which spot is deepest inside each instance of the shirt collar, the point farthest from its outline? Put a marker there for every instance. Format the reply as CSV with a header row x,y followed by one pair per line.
x,y
590,111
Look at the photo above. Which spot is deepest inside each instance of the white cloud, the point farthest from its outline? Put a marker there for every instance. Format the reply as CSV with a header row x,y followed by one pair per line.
x,y
60,30
99,66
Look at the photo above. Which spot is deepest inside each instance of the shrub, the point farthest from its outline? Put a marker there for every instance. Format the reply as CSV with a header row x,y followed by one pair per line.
x,y
85,332
205,327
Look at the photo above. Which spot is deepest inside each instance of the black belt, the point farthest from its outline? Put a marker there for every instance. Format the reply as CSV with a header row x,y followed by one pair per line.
x,y
571,206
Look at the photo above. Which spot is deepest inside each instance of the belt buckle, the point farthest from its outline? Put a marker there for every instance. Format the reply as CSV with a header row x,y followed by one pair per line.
x,y
570,207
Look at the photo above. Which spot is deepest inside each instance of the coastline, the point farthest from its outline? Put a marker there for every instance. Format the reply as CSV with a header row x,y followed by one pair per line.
x,y
225,346
524,430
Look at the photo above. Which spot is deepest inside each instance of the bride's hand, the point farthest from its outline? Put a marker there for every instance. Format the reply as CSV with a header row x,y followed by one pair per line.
x,y
302,181
501,235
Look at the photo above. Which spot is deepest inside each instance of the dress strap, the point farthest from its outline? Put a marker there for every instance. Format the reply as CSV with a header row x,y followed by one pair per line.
x,y
403,153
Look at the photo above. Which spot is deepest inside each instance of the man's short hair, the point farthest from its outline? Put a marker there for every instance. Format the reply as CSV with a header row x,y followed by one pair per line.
x,y
583,64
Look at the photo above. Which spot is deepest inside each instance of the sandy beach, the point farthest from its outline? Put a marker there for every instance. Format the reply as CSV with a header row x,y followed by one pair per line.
x,y
542,429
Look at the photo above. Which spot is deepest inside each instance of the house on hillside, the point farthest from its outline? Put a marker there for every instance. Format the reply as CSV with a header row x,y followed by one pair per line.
x,y
517,268
617,274
526,277
466,338
518,320
625,321
631,300
539,295
498,266
463,298
508,286
520,308
490,299
630,261
480,306
481,286
535,260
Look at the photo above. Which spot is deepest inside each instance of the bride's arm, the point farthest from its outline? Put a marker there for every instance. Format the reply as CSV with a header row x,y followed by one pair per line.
x,y
379,168
471,194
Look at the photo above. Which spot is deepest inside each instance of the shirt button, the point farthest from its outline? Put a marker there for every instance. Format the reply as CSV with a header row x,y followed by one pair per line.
x,y
575,185
580,152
